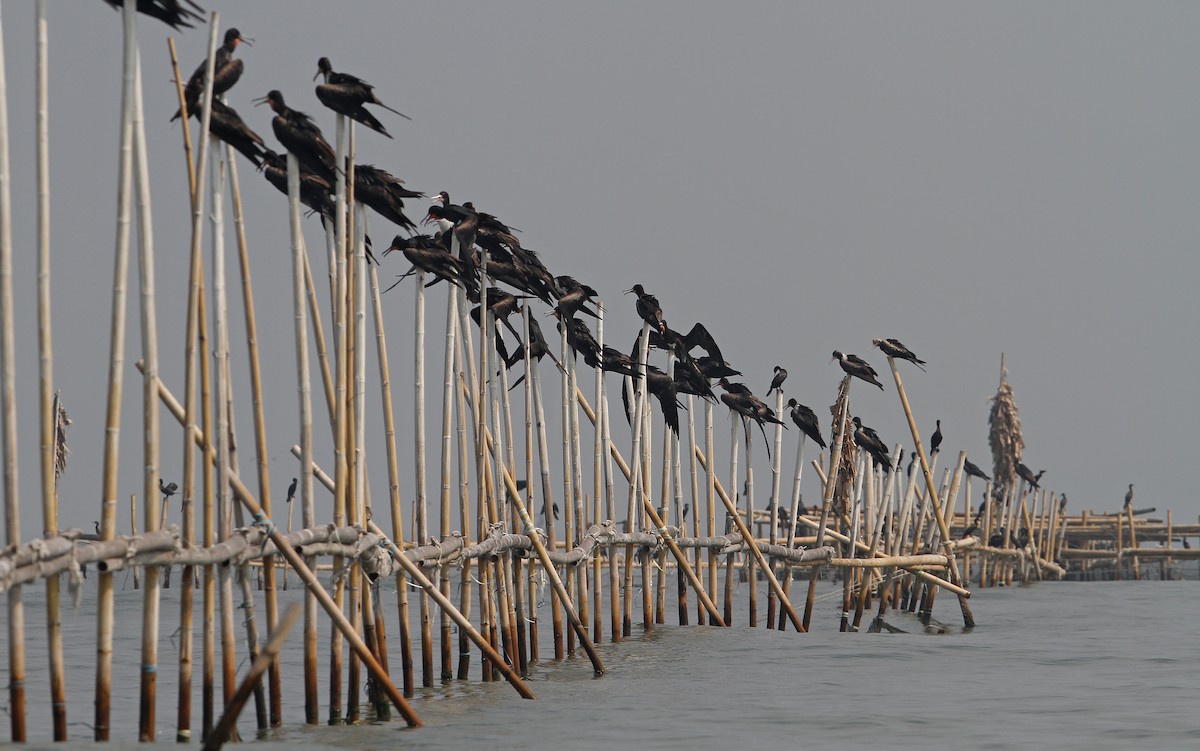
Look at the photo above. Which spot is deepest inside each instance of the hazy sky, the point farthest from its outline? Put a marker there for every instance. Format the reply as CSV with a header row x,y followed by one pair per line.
x,y
971,178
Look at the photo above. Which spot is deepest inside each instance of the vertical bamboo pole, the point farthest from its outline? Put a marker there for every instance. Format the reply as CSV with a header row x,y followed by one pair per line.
x,y
793,518
598,467
529,483
614,599
568,507
187,495
108,519
751,574
556,614
733,483
447,447
422,527
776,469
8,402
581,570
304,393
260,427
150,476
711,496
461,347
695,500
46,401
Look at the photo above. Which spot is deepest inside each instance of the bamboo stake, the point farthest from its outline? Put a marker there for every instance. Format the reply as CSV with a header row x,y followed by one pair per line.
x,y
733,479
711,496
422,526
751,575
265,659
968,618
776,468
46,400
260,428
835,460
462,337
108,519
598,466
149,328
306,447
249,622
187,495
447,448
529,438
795,509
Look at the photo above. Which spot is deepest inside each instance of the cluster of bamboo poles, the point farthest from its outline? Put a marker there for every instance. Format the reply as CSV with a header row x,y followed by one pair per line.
x,y
889,535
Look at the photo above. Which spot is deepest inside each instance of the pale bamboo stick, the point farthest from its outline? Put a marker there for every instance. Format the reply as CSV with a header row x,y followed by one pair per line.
x,y
447,449
46,399
108,518
150,476
835,459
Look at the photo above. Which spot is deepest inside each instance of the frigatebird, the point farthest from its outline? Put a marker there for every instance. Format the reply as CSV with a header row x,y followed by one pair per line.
x,y
648,308
167,490
427,254
227,125
227,69
806,420
893,348
856,366
574,297
385,193
301,136
346,94
741,400
171,12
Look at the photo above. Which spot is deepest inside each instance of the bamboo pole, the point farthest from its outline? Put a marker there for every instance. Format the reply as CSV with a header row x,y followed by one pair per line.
x,y
776,468
265,659
300,328
529,439
393,468
598,468
835,459
249,621
46,400
187,494
260,427
447,449
150,476
795,509
733,480
108,519
968,618
422,525
711,499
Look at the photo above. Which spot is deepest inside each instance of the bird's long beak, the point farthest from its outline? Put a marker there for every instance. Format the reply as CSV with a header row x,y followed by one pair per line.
x,y
246,41
318,74
628,292
260,100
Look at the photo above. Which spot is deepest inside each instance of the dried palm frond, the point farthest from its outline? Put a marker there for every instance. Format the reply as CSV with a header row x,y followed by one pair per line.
x,y
62,421
1005,434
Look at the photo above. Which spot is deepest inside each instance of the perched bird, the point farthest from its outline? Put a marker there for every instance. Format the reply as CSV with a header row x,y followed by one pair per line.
x,y
868,440
935,440
427,254
1026,474
806,420
301,136
291,494
777,380
1129,497
227,69
171,12
648,308
893,348
855,366
346,95
167,490
384,193
973,470
227,125
574,298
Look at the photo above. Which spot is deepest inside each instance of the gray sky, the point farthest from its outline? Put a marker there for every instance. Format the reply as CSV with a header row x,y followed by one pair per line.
x,y
969,178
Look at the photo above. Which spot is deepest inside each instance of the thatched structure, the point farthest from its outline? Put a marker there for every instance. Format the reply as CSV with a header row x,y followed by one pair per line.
x,y
1004,435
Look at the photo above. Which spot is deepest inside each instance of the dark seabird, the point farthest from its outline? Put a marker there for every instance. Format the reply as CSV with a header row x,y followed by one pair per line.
x,y
742,401
291,494
574,298
893,348
1129,497
974,471
935,440
777,381
856,366
167,490
346,95
1026,474
315,191
537,350
868,440
384,193
301,136
171,12
648,308
806,420
427,254
689,380
227,125
227,69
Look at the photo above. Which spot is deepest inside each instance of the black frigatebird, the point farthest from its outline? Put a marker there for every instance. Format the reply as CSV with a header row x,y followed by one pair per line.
x,y
346,95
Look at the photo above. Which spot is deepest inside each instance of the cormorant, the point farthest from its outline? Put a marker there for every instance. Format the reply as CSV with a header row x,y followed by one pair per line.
x,y
893,348
167,490
291,493
1027,475
777,380
868,440
346,95
936,439
856,366
973,470
1129,497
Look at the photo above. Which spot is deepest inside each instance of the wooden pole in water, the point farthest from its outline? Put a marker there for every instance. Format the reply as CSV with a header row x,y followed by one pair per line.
x,y
187,494
776,468
108,518
268,656
448,377
46,402
795,510
422,526
133,530
733,483
710,478
835,461
260,428
8,406
955,578
150,476
304,391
